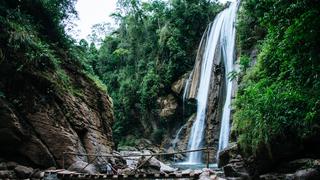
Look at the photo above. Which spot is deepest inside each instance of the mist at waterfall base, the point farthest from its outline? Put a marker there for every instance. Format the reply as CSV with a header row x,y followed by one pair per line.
x,y
219,34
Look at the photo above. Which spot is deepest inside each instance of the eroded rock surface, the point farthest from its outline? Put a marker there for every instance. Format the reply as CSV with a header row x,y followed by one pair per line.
x,y
168,105
39,120
179,85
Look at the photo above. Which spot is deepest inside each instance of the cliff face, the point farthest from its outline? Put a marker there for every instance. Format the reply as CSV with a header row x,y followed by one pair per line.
x,y
48,104
39,121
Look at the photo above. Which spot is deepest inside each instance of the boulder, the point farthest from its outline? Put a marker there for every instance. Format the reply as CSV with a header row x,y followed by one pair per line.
x,y
105,168
11,165
178,85
38,174
307,174
207,174
23,171
186,171
227,154
232,162
168,105
204,176
52,168
167,169
83,167
126,171
7,174
3,166
146,163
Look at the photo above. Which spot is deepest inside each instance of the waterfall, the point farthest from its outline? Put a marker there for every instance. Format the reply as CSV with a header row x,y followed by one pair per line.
x,y
185,93
228,35
220,34
176,138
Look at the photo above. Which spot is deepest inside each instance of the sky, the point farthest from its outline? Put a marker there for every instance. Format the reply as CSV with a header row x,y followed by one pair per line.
x,y
91,12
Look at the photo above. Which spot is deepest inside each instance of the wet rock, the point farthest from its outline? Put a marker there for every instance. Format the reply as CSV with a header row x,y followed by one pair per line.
x,y
38,174
186,171
83,167
157,165
11,165
207,174
3,166
10,174
182,143
307,174
51,168
145,163
204,176
167,169
23,171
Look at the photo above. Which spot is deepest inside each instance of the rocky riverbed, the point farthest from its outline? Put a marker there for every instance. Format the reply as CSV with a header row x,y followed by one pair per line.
x,y
124,163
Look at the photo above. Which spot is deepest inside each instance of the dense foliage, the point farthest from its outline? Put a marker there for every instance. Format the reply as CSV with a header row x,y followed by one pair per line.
x,y
278,100
33,42
32,38
155,43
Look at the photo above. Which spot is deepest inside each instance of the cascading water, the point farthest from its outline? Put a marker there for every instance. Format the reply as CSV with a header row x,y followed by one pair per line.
x,y
185,92
177,137
221,34
228,34
197,131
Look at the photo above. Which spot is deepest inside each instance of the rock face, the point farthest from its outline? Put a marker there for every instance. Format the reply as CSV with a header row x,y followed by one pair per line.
x,y
168,106
40,120
179,85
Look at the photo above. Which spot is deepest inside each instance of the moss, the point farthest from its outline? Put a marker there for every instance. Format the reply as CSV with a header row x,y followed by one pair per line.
x,y
61,82
97,82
